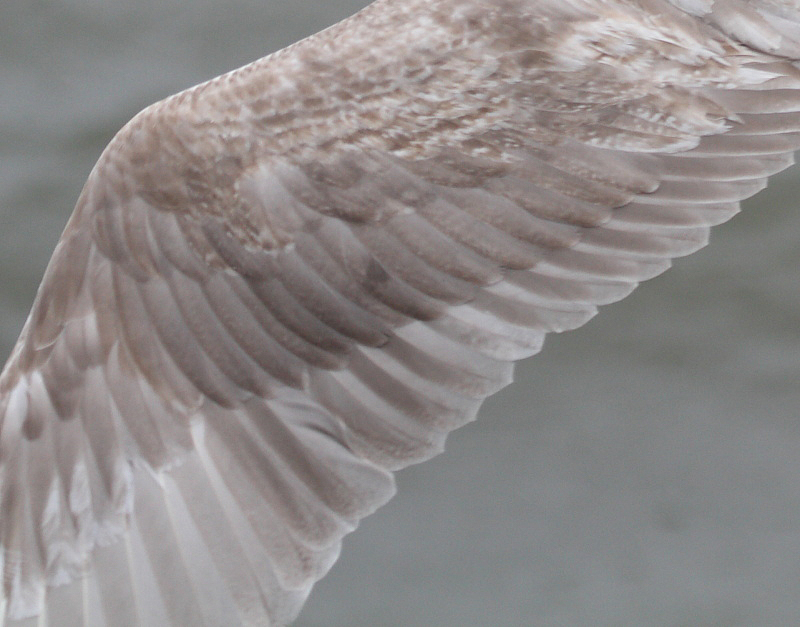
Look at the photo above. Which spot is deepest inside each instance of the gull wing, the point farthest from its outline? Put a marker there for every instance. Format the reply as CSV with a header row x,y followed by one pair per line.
x,y
282,285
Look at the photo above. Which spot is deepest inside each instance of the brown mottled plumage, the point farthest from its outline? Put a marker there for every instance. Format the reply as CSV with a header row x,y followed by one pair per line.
x,y
283,284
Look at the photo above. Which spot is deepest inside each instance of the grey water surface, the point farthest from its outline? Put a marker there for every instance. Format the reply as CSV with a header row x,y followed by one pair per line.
x,y
643,470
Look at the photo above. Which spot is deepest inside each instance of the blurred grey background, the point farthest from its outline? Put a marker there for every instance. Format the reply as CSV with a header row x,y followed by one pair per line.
x,y
643,470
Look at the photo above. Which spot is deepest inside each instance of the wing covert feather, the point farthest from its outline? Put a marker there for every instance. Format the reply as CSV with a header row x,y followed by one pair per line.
x,y
282,285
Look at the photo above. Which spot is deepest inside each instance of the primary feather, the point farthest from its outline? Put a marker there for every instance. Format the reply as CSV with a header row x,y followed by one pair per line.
x,y
285,283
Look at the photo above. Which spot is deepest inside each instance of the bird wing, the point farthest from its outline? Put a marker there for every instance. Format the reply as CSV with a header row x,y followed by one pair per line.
x,y
282,285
